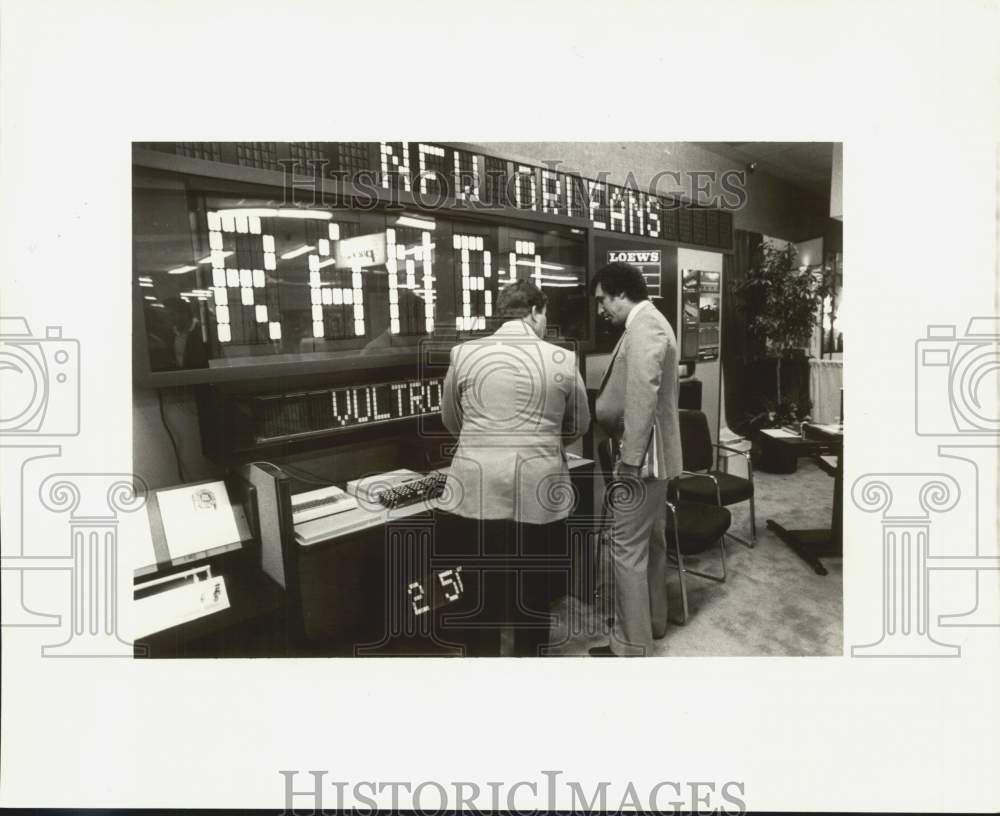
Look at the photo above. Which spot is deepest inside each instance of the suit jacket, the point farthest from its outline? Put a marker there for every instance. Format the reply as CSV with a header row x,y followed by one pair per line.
x,y
640,390
513,400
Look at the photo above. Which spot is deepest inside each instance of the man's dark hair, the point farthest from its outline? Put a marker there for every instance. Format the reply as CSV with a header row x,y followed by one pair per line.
x,y
517,298
621,279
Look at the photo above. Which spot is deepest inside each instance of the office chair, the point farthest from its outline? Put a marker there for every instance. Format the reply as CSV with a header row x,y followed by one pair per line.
x,y
692,527
700,483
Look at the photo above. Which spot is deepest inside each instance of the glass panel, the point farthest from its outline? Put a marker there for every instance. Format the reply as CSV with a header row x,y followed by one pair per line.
x,y
229,280
554,261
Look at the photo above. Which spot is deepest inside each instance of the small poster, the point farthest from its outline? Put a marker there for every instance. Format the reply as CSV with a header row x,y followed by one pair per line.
x,y
197,518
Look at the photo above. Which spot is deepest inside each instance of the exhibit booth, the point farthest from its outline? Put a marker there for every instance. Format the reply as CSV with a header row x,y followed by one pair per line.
x,y
304,298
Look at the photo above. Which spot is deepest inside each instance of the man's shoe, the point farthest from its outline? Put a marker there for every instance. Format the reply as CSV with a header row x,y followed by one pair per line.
x,y
601,651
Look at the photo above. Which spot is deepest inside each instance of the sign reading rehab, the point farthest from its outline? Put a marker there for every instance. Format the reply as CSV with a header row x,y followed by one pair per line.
x,y
646,260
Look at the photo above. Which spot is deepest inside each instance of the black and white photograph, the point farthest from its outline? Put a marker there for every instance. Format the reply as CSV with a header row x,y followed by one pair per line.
x,y
424,378
551,407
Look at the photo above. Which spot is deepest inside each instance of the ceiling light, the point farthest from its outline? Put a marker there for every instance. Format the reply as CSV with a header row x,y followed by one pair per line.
x,y
295,253
180,270
419,223
208,258
317,215
248,212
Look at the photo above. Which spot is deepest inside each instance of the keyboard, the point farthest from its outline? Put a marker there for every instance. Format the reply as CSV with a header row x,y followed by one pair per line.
x,y
399,488
429,487
326,501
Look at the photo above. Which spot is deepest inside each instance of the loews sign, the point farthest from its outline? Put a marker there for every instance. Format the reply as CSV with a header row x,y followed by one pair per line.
x,y
651,256
646,260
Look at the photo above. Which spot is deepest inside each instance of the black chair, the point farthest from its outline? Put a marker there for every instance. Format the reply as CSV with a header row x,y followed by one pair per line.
x,y
692,527
700,483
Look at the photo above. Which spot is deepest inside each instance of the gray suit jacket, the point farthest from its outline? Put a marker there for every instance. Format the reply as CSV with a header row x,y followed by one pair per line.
x,y
640,390
514,401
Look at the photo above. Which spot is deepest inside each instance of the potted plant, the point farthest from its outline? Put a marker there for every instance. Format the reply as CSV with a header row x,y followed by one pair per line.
x,y
780,301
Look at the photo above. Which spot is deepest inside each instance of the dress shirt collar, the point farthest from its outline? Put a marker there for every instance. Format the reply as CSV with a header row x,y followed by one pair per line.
x,y
642,304
516,327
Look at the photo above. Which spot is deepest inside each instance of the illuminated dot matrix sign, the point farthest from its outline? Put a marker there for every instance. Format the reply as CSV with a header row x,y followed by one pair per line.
x,y
249,283
359,405
395,161
476,267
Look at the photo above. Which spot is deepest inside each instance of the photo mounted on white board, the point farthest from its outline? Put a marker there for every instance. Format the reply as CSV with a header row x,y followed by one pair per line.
x,y
400,344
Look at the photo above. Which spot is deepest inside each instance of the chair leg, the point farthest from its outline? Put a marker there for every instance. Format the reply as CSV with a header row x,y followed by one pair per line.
x,y
719,579
753,530
680,572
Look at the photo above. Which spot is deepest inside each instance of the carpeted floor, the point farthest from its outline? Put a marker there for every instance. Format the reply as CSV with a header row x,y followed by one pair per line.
x,y
772,602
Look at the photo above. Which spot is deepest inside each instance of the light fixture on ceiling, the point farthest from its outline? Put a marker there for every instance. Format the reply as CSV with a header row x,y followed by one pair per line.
x,y
316,215
418,223
295,253
271,212
180,270
208,258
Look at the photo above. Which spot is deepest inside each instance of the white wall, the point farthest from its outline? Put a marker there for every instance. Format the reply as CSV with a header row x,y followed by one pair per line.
x,y
774,206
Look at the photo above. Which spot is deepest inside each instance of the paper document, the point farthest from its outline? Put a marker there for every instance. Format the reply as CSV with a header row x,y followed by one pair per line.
x,y
197,518
187,596
779,433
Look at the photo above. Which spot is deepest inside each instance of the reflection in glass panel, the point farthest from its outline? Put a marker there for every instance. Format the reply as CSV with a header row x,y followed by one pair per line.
x,y
554,261
228,280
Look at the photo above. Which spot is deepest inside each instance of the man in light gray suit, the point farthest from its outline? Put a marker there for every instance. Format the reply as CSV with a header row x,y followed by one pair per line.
x,y
637,407
514,401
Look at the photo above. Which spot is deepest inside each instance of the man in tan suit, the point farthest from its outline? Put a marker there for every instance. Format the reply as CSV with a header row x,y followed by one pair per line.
x,y
637,407
514,401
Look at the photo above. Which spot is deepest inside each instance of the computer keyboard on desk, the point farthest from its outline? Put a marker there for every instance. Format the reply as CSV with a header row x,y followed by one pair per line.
x,y
399,488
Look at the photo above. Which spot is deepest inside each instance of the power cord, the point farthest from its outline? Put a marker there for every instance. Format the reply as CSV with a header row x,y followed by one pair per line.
x,y
295,471
173,442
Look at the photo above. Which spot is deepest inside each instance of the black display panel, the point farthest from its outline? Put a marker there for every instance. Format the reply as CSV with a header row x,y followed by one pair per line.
x,y
700,314
229,280
282,417
657,262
